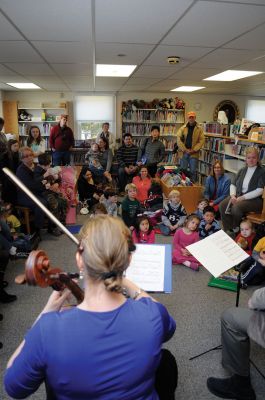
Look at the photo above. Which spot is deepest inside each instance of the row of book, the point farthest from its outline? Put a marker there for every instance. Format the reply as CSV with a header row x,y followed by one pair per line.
x,y
214,144
155,116
210,157
45,129
145,129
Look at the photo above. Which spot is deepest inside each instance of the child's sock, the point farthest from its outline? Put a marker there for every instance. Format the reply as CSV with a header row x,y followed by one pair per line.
x,y
187,263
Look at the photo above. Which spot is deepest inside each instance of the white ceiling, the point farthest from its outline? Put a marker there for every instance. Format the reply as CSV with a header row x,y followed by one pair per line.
x,y
56,43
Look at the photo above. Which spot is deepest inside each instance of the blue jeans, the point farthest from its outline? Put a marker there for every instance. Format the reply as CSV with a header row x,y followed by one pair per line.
x,y
60,158
187,161
165,230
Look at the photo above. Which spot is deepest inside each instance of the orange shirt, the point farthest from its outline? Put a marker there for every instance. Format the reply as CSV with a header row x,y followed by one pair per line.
x,y
143,185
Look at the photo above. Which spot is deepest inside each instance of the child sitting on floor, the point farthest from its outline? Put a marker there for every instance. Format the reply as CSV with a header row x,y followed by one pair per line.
x,y
174,214
246,235
130,206
200,207
183,238
109,199
253,271
143,232
208,224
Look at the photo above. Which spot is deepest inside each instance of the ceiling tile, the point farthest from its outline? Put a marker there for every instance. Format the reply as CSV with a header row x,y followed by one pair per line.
x,y
187,54
192,73
103,83
226,58
51,20
63,52
72,69
31,68
253,40
7,31
17,51
224,21
147,71
107,53
136,21
6,71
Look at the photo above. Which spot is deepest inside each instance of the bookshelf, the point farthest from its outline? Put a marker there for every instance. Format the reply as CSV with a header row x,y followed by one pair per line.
x,y
45,117
230,151
139,122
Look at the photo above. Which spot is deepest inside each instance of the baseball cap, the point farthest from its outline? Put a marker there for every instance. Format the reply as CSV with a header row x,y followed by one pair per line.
x,y
191,114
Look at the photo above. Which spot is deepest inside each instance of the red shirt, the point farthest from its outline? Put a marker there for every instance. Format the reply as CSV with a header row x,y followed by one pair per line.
x,y
143,185
249,240
61,139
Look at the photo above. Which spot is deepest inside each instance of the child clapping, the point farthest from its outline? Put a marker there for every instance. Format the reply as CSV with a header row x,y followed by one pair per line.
x,y
174,214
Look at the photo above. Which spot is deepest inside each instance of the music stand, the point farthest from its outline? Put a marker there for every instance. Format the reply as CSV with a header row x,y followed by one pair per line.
x,y
219,347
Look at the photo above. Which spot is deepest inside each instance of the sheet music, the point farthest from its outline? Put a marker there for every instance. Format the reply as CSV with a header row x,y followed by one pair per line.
x,y
147,267
218,253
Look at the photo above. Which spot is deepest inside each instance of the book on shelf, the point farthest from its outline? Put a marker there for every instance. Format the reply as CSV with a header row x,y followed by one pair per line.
x,y
245,124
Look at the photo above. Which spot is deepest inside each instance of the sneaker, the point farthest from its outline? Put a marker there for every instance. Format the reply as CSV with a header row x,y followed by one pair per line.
x,y
6,298
237,387
21,254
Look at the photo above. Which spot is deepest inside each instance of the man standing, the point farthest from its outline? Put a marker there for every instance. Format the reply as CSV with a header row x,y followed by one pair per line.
x,y
107,135
127,160
152,151
61,142
190,139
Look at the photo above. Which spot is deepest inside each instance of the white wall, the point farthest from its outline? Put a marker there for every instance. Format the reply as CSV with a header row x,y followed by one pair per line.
x,y
203,103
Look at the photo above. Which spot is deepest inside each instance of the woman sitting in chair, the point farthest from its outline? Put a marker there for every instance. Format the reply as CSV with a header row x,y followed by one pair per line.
x,y
245,192
109,346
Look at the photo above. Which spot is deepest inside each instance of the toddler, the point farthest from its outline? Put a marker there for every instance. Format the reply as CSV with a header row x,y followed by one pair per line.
x,y
143,232
92,156
130,206
208,224
183,238
200,207
245,238
174,214
109,199
11,220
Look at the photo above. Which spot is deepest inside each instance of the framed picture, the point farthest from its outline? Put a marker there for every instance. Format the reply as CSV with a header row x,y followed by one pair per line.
x,y
230,108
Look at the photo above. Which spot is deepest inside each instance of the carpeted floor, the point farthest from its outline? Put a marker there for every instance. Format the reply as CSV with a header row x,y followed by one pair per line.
x,y
195,307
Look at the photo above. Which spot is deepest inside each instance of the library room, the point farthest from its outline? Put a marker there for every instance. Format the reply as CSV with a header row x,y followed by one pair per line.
x,y
132,199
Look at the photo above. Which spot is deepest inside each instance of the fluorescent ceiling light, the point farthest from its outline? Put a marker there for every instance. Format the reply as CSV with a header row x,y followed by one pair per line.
x,y
24,85
187,88
232,75
114,70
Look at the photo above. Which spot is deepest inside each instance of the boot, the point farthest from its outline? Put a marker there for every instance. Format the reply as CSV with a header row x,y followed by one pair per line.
x,y
237,387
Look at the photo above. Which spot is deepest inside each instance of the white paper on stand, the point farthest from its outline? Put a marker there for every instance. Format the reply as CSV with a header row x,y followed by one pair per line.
x,y
147,267
217,253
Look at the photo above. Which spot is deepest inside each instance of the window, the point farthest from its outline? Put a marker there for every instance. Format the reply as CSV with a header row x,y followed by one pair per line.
x,y
91,112
256,111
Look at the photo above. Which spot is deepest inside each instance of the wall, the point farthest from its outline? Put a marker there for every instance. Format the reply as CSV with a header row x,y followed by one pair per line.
x,y
204,104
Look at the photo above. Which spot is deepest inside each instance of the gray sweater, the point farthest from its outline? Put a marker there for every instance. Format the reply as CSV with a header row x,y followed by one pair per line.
x,y
154,151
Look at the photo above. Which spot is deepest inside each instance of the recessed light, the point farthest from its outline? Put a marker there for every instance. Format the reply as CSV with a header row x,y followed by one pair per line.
x,y
187,88
232,75
24,85
114,70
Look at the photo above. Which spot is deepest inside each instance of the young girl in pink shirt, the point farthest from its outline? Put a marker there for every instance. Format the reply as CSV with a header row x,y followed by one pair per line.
x,y
184,237
143,232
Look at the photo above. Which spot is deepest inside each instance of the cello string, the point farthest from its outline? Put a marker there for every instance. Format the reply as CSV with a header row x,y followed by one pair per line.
x,y
21,185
